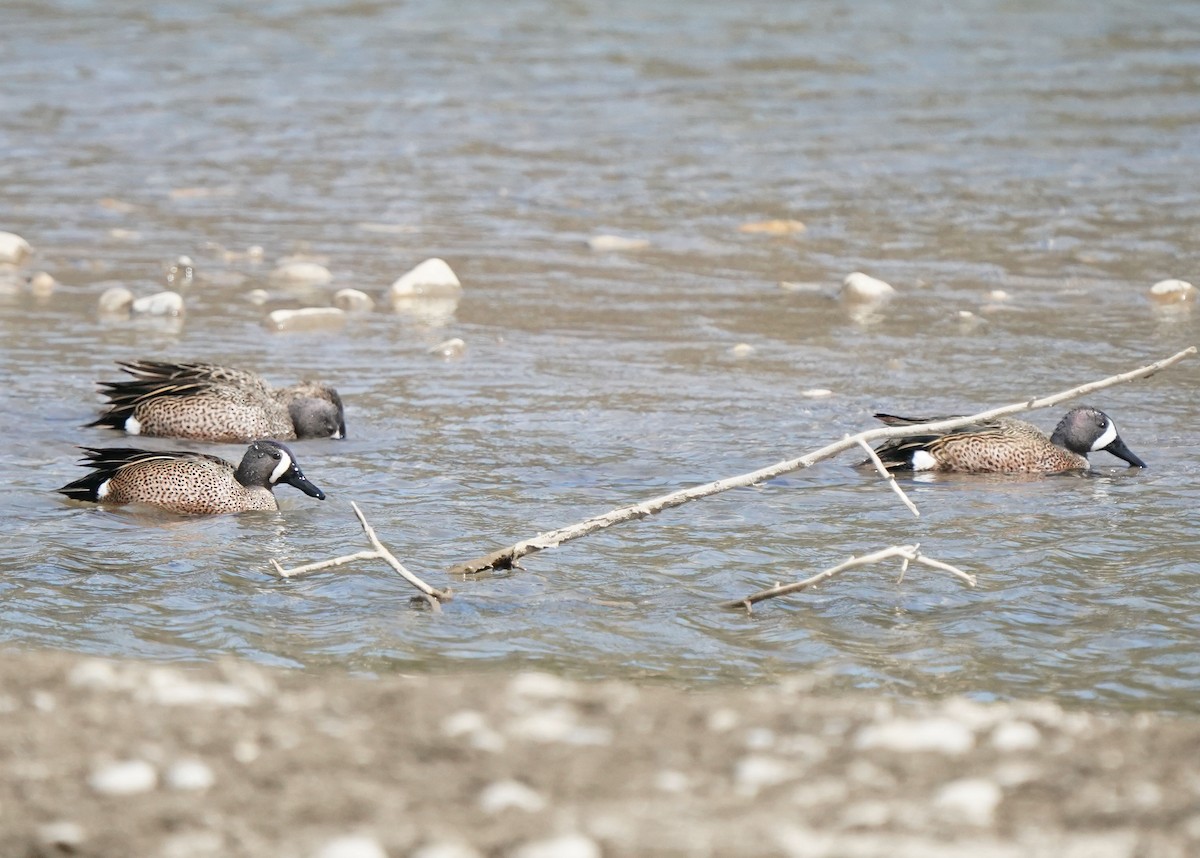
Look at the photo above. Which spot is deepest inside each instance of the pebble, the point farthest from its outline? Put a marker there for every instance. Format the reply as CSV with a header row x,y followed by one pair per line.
x,y
352,846
801,286
431,277
159,304
353,301
773,227
940,735
42,285
1016,736
445,849
862,287
741,350
258,296
755,771
116,299
452,348
816,392
970,800
1172,291
127,777
63,835
306,319
565,846
190,776
544,686
617,242
503,796
302,274
14,250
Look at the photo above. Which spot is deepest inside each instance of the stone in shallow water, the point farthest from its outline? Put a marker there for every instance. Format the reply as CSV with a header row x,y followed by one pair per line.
x,y
352,846
302,274
306,319
190,776
159,304
741,350
616,242
862,287
353,301
431,277
773,227
451,348
42,285
127,777
1172,291
14,250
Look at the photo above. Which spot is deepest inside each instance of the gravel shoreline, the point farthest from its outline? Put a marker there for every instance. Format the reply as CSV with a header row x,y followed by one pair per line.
x,y
123,758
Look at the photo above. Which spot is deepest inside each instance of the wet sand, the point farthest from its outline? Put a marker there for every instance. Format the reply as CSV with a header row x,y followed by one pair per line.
x,y
122,758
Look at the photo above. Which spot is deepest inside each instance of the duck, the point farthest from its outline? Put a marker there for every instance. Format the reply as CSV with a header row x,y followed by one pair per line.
x,y
208,402
1005,445
188,482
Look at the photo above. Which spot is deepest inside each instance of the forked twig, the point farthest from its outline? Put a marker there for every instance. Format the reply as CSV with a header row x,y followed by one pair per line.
x,y
506,558
910,554
887,475
431,595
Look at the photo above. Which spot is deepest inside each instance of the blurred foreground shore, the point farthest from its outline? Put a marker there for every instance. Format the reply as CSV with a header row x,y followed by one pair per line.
x,y
121,758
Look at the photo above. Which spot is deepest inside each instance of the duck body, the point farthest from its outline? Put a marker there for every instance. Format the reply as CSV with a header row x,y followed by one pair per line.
x,y
188,482
207,402
1005,445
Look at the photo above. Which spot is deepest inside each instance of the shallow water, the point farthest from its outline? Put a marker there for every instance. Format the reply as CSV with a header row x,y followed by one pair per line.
x,y
1047,150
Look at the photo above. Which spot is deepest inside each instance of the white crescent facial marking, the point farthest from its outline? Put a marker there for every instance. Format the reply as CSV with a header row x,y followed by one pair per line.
x,y
285,462
102,490
133,426
922,461
1110,435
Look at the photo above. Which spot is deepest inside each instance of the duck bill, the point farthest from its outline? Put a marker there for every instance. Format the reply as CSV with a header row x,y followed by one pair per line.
x,y
1118,449
297,479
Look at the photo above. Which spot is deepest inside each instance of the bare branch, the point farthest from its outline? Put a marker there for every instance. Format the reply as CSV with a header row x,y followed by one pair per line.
x,y
909,553
887,475
429,594
506,558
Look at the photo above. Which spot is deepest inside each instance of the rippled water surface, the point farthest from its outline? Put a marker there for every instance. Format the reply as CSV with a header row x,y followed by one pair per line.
x,y
1047,150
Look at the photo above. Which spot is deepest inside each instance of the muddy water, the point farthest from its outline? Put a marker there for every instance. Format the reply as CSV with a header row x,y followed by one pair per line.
x,y
1049,151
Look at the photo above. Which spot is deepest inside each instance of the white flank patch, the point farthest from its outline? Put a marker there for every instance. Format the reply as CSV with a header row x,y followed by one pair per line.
x,y
102,490
922,461
133,426
1110,435
285,462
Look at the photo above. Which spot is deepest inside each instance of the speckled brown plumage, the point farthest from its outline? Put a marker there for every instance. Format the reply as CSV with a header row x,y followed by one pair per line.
x,y
216,403
1005,445
188,482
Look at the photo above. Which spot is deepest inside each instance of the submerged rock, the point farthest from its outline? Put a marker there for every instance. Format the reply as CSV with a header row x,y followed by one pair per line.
x,y
773,227
353,301
1172,292
616,242
14,250
862,287
451,348
433,277
302,274
159,304
116,299
306,319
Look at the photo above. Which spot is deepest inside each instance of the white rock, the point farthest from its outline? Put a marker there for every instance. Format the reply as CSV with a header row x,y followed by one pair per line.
x,y
190,776
566,846
940,735
65,836
755,771
970,800
128,777
159,304
1016,736
42,285
351,846
543,686
672,780
116,299
616,242
431,277
353,301
306,319
451,348
741,350
445,849
302,274
258,296
1172,291
13,249
503,796
816,392
862,287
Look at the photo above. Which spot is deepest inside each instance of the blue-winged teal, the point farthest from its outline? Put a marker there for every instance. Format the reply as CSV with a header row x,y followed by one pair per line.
x,y
189,482
1006,446
217,403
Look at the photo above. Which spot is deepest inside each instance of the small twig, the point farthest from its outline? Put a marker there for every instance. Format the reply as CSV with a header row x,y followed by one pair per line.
x,y
910,553
506,558
430,594
887,475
